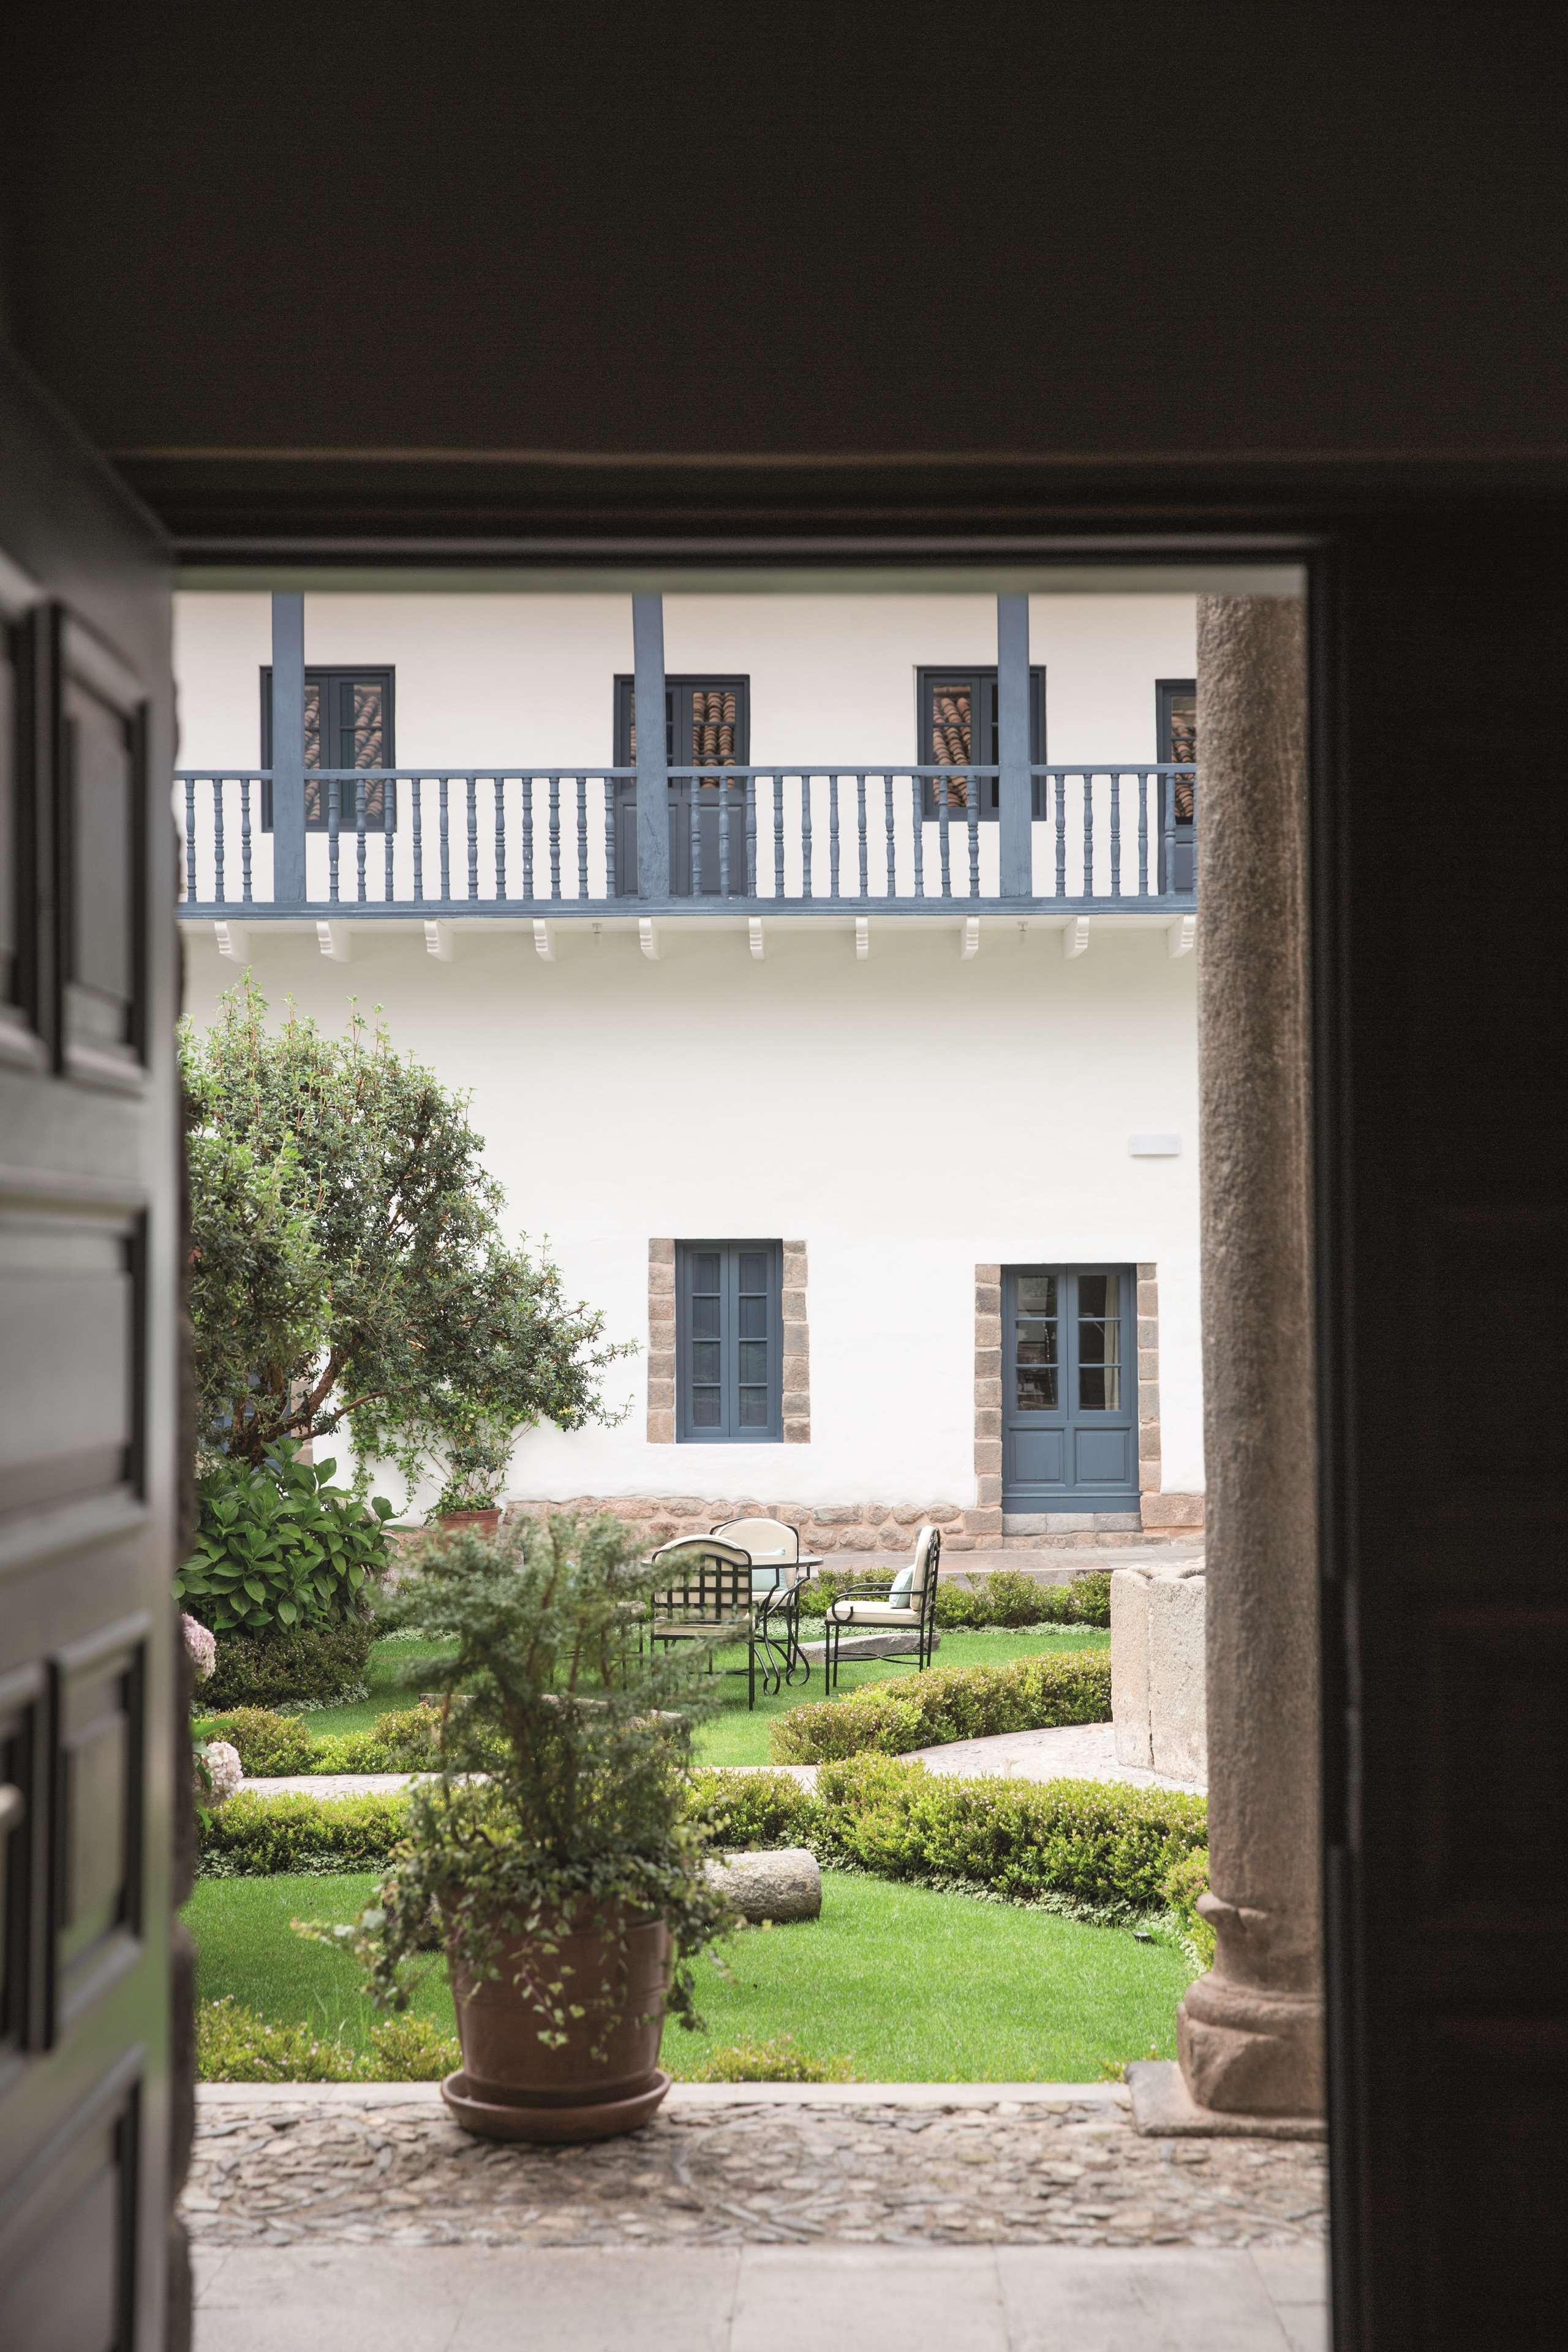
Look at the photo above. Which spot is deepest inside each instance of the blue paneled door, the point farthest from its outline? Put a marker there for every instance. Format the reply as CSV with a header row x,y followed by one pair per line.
x,y
1070,1403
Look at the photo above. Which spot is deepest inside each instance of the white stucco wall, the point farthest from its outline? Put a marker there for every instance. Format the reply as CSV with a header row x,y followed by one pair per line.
x,y
910,1117
490,680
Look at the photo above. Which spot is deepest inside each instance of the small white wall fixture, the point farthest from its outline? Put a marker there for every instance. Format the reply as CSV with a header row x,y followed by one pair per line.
x,y
754,936
969,939
544,942
1074,937
1154,1145
648,937
862,937
439,942
232,940
332,939
1182,936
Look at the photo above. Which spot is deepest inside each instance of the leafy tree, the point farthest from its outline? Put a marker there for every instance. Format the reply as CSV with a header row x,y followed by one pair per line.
x,y
347,1266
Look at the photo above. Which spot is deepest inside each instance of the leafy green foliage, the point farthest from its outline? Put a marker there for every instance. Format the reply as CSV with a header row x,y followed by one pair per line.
x,y
347,1263
256,1837
407,1740
278,1544
1008,1597
316,1665
1114,1850
949,1703
1094,1841
1184,1882
583,1734
235,2045
778,2059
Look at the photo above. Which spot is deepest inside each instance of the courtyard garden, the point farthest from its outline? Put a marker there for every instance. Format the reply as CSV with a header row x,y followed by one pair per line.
x,y
349,1277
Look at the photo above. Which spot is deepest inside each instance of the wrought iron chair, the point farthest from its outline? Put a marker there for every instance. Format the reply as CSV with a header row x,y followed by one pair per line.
x,y
707,1596
776,1578
909,1605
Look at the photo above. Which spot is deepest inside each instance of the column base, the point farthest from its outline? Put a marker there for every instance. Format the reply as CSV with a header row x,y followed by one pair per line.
x,y
1163,2107
1249,2052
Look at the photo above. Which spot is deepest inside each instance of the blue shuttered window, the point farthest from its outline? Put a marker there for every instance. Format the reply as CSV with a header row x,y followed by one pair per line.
x,y
729,1341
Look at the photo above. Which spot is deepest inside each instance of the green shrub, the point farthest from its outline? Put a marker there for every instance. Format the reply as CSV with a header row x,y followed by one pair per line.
x,y
235,2045
951,1703
1008,1597
1094,1841
1184,1882
252,1836
265,1742
326,1664
278,1546
775,2061
747,1811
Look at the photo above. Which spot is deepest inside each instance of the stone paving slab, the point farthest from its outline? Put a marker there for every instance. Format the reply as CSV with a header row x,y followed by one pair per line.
x,y
757,2299
874,2168
1074,1751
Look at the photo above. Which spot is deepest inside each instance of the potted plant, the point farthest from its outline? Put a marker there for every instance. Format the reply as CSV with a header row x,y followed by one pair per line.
x,y
477,1466
552,1859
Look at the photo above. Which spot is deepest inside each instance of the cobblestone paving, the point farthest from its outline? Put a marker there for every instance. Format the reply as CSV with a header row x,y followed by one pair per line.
x,y
1070,2174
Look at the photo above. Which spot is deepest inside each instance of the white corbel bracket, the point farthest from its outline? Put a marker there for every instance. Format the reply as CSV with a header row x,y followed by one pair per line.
x,y
754,936
648,937
969,939
544,942
439,942
1075,938
862,937
1181,936
232,940
332,939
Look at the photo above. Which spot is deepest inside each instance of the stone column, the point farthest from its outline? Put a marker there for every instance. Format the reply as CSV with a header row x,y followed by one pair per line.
x,y
1250,2033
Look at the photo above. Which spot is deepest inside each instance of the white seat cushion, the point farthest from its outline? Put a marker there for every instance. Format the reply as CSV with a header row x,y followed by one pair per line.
x,y
873,1613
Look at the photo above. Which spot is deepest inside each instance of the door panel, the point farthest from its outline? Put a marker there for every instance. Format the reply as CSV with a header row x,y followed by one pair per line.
x,y
1069,1420
88,1275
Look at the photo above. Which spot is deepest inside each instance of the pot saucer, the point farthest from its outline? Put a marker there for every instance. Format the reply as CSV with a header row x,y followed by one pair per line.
x,y
492,2120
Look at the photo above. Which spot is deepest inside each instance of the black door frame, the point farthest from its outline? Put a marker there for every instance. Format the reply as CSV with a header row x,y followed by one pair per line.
x,y
1436,1133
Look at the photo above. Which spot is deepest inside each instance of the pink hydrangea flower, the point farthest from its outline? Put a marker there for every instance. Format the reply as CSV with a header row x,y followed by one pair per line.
x,y
201,1647
223,1771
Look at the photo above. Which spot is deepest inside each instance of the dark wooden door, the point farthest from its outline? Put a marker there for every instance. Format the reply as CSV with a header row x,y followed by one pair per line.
x,y
1069,1404
1176,739
89,1277
707,725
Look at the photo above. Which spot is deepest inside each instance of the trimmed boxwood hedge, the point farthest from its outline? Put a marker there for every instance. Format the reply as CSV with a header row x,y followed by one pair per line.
x,y
1124,1851
282,1746
951,1703
236,2045
1008,1597
323,1662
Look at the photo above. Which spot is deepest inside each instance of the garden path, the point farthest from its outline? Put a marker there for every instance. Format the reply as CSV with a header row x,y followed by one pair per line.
x,y
975,2217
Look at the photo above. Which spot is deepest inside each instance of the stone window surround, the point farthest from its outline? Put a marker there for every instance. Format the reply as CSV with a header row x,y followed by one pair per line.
x,y
661,1344
1156,1509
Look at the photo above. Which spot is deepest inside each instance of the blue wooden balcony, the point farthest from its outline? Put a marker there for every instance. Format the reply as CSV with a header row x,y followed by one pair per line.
x,y
650,840
1117,836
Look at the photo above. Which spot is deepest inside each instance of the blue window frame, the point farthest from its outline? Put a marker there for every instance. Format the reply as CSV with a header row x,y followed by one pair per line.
x,y
729,1343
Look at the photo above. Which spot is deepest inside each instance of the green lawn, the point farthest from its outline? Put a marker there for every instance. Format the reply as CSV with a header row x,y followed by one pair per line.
x,y
907,1984
733,1736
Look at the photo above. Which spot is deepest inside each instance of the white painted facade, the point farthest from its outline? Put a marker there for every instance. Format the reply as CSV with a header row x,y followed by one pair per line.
x,y
911,1114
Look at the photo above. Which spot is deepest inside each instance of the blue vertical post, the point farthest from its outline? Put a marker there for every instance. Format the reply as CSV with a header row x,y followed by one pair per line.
x,y
288,750
1015,790
653,777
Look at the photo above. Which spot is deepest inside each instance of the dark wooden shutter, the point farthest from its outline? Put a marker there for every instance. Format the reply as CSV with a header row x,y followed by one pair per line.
x,y
729,1343
89,1280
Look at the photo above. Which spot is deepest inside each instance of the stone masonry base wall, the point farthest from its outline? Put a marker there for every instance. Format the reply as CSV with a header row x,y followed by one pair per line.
x,y
850,1526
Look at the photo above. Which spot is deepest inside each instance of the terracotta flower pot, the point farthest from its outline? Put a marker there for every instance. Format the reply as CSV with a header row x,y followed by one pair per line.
x,y
487,1521
513,2086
